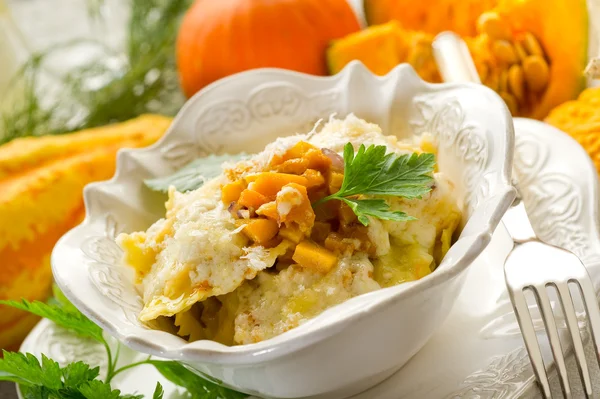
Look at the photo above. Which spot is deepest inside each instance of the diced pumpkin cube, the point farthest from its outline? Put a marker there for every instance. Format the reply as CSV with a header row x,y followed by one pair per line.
x,y
299,149
296,166
317,160
269,210
250,178
292,233
270,183
313,177
334,182
252,199
313,256
261,231
320,231
231,192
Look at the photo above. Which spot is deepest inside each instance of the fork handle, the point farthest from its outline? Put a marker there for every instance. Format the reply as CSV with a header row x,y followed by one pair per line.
x,y
518,225
453,59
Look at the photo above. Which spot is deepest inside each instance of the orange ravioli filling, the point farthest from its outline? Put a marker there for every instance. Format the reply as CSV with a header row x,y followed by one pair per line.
x,y
276,205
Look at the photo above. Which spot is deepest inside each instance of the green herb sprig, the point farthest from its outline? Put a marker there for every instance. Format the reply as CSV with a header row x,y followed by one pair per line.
x,y
48,380
194,174
144,82
372,172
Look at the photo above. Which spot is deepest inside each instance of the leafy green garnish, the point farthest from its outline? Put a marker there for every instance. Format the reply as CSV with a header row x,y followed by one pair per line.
x,y
194,174
77,373
199,387
158,391
141,80
373,172
60,300
376,208
27,370
48,380
65,317
96,389
34,392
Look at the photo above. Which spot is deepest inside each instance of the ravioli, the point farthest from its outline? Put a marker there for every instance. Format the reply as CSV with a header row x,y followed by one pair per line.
x,y
214,279
196,252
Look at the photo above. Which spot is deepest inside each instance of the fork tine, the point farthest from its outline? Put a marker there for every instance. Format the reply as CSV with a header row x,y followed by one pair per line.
x,y
571,319
530,338
548,317
591,307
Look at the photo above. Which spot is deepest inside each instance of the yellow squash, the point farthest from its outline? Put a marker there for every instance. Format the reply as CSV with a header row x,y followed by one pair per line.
x,y
41,183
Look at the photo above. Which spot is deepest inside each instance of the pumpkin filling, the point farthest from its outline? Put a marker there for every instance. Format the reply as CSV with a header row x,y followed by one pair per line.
x,y
273,206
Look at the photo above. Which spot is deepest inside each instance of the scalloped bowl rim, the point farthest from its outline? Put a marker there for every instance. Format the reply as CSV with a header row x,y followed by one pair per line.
x,y
325,324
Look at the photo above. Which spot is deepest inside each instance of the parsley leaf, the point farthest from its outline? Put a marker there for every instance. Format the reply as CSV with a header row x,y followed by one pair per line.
x,y
158,391
198,387
377,208
373,172
26,369
78,373
100,390
194,174
78,380
34,392
60,300
61,315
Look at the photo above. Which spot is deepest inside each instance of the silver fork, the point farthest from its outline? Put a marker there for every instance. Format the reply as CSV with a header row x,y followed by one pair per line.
x,y
536,266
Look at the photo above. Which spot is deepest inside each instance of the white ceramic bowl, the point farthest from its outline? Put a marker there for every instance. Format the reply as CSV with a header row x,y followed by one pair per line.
x,y
349,347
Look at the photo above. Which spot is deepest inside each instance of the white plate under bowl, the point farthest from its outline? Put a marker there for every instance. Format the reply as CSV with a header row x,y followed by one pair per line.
x,y
478,352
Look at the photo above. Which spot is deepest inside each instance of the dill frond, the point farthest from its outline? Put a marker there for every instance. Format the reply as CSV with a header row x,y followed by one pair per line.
x,y
97,93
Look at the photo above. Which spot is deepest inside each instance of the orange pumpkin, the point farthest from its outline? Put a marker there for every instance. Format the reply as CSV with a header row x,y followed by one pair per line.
x,y
219,38
429,16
